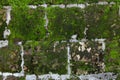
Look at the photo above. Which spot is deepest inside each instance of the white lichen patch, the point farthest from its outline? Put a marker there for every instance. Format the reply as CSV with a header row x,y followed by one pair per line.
x,y
3,43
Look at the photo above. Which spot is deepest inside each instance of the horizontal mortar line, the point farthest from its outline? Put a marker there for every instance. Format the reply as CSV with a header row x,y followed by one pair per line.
x,y
68,5
11,74
6,74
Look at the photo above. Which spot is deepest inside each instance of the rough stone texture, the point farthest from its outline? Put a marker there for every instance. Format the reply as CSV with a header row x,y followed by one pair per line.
x,y
2,22
43,59
10,59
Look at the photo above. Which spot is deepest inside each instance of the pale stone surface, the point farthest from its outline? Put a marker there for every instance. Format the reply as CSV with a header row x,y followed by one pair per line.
x,y
6,74
22,57
8,14
6,33
100,76
31,77
3,43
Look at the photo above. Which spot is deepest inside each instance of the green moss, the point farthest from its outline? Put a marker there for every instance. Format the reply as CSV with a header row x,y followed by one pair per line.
x,y
10,59
84,61
2,22
1,77
63,23
103,21
37,2
27,24
80,67
103,18
112,60
41,59
2,28
118,77
64,1
3,3
21,78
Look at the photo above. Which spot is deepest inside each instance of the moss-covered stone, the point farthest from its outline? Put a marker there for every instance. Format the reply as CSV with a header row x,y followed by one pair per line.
x,y
1,77
63,23
41,60
112,59
100,19
10,59
37,2
12,78
85,61
41,55
27,24
2,22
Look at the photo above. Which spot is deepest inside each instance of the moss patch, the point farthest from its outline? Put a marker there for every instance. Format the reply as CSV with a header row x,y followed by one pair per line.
x,y
63,23
10,59
27,24
42,59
